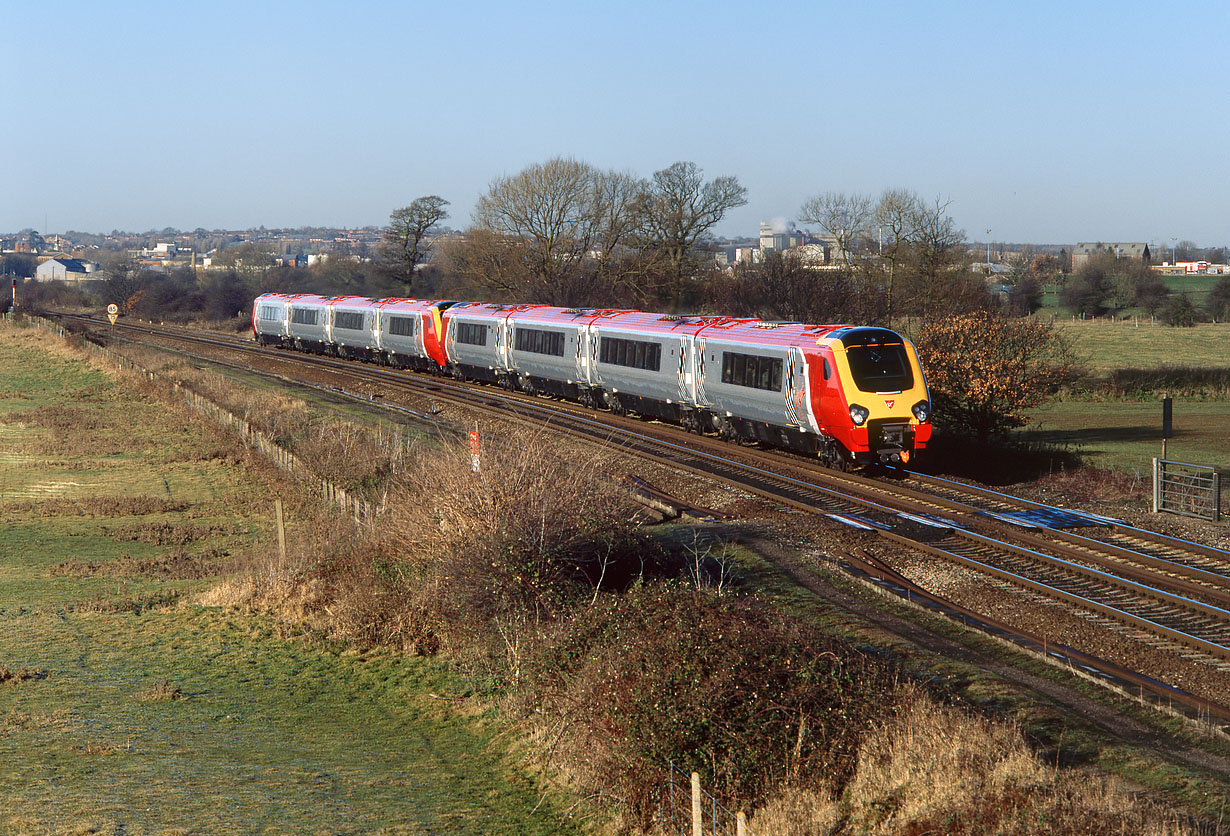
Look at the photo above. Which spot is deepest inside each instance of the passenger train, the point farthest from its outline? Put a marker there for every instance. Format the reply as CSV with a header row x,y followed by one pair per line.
x,y
851,395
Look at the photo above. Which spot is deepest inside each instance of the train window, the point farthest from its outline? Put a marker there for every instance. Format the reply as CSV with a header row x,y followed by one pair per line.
x,y
401,326
880,368
348,320
752,370
636,354
268,314
540,342
828,372
471,333
304,316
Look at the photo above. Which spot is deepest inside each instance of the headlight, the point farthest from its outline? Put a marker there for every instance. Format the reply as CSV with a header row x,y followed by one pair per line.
x,y
922,411
858,414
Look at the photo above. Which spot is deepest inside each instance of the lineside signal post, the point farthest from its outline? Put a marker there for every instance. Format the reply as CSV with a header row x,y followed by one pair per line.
x,y
475,450
1167,422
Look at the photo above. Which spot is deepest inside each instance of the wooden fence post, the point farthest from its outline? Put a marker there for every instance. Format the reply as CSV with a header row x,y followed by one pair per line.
x,y
277,504
698,827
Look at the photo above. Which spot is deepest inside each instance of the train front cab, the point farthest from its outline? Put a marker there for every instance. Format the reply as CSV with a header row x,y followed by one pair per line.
x,y
881,412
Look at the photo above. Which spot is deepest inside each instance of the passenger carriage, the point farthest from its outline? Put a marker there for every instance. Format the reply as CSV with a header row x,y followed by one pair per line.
x,y
409,333
849,394
351,327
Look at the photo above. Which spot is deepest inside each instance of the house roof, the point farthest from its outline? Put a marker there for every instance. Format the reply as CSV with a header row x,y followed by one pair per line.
x,y
71,265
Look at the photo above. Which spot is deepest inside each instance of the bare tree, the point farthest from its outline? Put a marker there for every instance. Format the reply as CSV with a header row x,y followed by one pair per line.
x,y
938,250
561,225
845,217
676,209
895,215
408,238
548,208
614,195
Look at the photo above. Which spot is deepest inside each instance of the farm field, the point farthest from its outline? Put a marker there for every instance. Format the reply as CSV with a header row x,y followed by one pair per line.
x,y
1196,287
127,706
1107,345
1125,434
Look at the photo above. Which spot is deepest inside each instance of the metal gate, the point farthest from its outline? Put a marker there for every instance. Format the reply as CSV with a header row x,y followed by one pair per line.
x,y
1193,490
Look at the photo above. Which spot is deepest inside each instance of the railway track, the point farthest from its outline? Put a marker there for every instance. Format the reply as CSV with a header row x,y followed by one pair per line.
x,y
1172,593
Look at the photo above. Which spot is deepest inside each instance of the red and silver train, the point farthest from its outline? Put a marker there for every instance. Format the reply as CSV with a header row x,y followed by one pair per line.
x,y
851,395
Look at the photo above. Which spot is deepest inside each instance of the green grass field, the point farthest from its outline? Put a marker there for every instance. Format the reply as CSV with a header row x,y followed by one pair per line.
x,y
1106,345
127,708
1125,434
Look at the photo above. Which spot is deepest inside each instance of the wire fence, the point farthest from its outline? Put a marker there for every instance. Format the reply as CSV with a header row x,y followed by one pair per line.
x,y
688,810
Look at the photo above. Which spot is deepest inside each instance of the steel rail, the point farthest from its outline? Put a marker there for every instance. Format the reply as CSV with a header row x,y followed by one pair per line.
x,y
1126,679
1144,624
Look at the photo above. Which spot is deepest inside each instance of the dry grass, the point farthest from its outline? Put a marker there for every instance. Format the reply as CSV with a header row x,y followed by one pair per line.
x,y
22,674
170,534
1090,485
936,769
98,506
174,565
162,691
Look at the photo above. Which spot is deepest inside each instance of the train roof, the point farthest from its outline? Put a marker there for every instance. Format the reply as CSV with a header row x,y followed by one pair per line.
x,y
355,302
733,329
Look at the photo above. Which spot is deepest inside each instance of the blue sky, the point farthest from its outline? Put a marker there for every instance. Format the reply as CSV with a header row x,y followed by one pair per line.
x,y
1045,122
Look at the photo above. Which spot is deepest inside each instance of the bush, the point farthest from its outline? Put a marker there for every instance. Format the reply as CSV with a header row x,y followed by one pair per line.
x,y
727,687
499,553
1180,311
983,370
1185,381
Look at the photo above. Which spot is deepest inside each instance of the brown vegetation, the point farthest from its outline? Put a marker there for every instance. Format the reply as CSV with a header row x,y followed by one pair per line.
x,y
22,674
984,370
162,691
99,506
935,769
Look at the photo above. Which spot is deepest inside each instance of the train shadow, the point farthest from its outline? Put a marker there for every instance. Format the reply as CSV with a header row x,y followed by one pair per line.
x,y
997,463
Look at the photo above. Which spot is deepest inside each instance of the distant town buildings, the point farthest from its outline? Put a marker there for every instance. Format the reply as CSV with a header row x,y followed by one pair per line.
x,y
1082,252
65,270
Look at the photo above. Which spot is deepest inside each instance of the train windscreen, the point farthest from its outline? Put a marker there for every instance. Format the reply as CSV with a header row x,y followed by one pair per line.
x,y
880,368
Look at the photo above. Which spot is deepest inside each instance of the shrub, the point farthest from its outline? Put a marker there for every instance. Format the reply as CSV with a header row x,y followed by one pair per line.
x,y
934,769
497,552
1185,381
728,687
984,370
1180,311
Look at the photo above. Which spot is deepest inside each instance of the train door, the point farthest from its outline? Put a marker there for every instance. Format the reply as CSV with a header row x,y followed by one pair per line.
x,y
795,389
696,369
585,337
687,377
503,342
